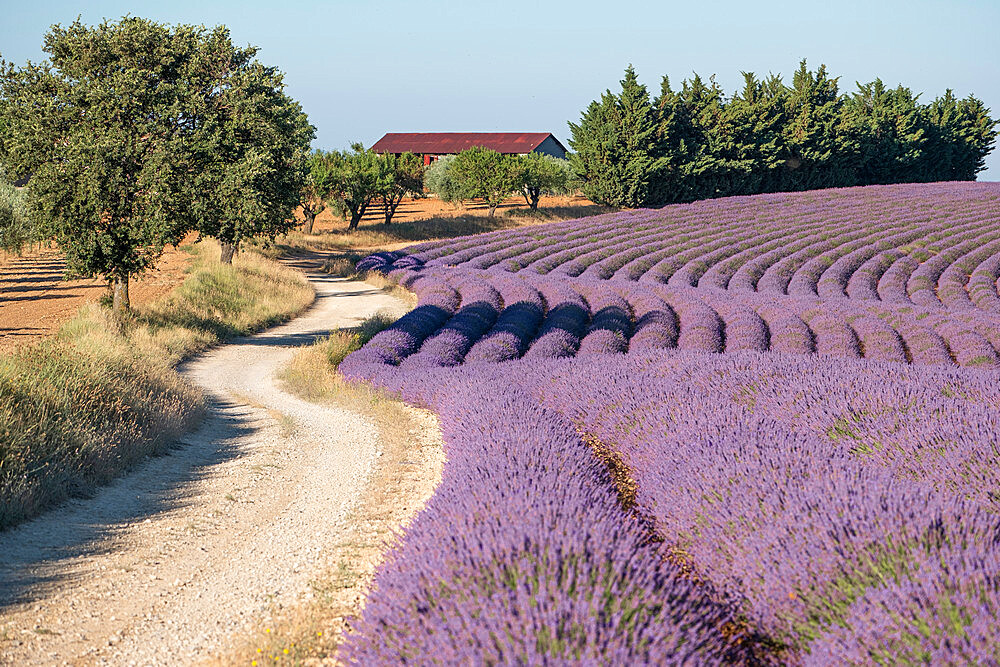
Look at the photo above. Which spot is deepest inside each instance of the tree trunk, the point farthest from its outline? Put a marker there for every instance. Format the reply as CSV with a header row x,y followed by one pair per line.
x,y
391,204
228,250
307,226
493,207
119,299
526,192
356,215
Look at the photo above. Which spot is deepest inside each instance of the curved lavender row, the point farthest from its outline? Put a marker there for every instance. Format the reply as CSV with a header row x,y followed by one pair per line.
x,y
656,324
610,322
745,329
891,286
480,306
438,302
805,281
523,556
833,336
379,261
922,284
835,281
701,328
721,273
953,284
879,341
516,325
983,289
863,283
564,325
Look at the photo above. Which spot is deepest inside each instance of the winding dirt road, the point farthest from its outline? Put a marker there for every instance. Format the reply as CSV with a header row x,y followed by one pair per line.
x,y
177,561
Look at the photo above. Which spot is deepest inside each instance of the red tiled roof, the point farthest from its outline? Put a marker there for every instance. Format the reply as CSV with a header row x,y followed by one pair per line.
x,y
443,143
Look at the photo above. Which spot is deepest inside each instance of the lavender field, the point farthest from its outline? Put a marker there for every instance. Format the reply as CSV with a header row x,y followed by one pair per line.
x,y
753,429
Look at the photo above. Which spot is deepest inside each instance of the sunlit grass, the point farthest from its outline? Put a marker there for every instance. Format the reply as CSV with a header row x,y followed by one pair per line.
x,y
78,409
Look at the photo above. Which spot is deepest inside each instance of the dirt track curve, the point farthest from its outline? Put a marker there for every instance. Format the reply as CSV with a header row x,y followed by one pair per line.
x,y
175,562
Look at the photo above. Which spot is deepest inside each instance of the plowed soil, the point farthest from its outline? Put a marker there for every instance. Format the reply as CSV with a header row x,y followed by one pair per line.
x,y
35,299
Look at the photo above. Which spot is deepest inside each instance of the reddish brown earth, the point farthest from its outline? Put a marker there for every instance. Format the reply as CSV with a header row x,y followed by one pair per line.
x,y
411,210
35,300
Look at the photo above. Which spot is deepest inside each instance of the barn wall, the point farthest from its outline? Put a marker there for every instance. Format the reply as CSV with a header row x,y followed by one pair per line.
x,y
551,147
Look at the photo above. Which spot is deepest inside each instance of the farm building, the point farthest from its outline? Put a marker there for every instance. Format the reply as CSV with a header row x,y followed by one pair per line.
x,y
432,145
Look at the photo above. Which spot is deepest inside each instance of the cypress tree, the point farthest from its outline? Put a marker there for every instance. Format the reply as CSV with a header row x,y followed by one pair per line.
x,y
617,153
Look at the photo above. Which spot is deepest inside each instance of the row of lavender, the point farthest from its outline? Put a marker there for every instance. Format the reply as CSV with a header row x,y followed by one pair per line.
x,y
814,508
591,316
930,245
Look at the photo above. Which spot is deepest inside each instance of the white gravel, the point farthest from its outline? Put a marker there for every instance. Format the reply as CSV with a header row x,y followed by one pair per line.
x,y
175,562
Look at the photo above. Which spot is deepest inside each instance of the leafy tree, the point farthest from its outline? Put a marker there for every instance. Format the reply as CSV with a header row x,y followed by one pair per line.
x,y
486,174
617,149
357,176
543,174
104,131
400,176
16,228
960,134
318,188
254,142
440,180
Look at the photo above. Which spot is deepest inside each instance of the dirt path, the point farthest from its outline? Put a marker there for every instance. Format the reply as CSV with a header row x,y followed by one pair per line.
x,y
177,561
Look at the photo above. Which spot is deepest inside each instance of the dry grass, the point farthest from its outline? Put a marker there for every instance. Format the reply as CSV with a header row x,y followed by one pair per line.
x,y
78,409
407,471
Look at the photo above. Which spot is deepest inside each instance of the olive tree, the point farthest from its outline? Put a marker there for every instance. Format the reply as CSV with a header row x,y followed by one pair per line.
x,y
440,180
16,228
544,175
357,176
103,131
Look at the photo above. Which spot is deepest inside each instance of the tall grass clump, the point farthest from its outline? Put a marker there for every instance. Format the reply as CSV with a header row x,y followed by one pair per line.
x,y
78,409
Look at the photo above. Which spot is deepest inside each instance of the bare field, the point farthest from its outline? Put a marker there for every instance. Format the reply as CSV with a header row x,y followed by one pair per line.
x,y
35,300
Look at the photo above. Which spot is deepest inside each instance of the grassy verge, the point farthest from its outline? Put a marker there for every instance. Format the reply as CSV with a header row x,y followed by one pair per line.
x,y
406,473
78,409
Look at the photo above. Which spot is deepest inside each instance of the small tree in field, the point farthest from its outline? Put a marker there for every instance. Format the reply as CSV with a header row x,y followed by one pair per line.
x,y
318,188
440,180
400,176
543,175
485,173
104,130
255,140
356,177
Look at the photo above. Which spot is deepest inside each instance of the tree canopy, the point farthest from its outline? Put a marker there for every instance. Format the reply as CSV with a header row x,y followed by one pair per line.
x,y
253,142
487,174
134,133
696,142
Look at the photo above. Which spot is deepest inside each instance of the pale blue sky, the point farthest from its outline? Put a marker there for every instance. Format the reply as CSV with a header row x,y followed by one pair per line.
x,y
364,68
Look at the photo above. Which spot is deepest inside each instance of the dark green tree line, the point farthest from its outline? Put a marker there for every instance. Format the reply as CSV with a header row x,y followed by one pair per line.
x,y
697,143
